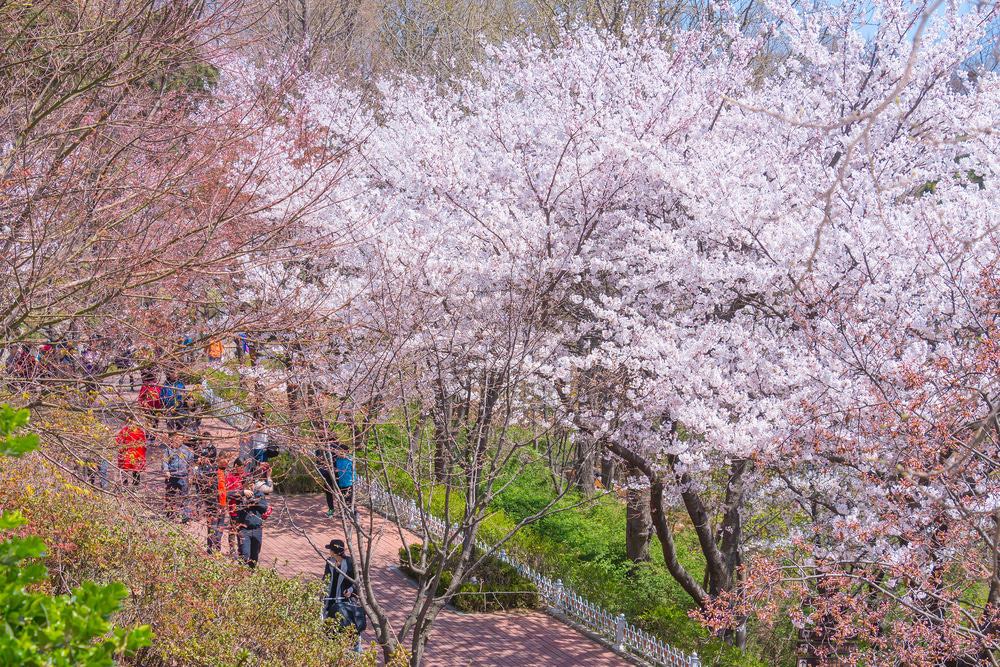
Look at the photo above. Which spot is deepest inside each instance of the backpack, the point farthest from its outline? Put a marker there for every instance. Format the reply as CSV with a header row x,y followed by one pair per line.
x,y
344,472
171,395
177,462
149,397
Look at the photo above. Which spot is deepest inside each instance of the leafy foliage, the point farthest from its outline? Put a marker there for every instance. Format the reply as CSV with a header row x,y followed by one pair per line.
x,y
496,586
52,630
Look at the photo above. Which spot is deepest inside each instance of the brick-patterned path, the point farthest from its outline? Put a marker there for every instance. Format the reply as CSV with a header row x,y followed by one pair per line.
x,y
525,639
298,527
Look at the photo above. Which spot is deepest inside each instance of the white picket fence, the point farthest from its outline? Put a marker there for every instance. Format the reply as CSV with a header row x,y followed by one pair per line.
x,y
624,637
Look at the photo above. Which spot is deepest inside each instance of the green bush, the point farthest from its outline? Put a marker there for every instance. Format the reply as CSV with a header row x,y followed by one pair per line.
x,y
496,586
294,474
41,628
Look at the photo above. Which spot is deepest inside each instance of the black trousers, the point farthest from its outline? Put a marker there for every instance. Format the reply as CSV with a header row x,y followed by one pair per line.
x,y
250,540
328,486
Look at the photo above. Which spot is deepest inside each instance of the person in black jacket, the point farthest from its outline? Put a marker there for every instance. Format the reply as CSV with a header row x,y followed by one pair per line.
x,y
251,510
341,581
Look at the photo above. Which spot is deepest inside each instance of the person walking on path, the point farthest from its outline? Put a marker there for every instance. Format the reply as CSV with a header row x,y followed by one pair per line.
x,y
233,481
131,441
124,361
344,470
251,510
172,401
203,479
340,602
215,350
177,464
324,465
149,398
216,506
336,468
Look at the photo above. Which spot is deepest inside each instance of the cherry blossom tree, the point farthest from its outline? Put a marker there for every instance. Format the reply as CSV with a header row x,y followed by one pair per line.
x,y
690,219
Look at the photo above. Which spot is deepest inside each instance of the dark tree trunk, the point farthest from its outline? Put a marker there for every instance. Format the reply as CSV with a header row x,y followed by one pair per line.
x,y
293,391
442,418
585,455
638,520
608,470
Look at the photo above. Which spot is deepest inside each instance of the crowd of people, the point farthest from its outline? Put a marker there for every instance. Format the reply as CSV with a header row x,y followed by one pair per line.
x,y
88,359
227,492
230,493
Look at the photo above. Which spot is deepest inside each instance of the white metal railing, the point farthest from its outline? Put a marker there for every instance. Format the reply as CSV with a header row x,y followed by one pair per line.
x,y
623,636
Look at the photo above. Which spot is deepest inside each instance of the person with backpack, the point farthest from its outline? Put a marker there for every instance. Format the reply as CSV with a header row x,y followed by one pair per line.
x,y
178,461
172,401
344,472
131,441
340,601
252,509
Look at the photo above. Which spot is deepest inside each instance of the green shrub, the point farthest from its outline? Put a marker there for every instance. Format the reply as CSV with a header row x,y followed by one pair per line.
x,y
294,474
496,586
41,628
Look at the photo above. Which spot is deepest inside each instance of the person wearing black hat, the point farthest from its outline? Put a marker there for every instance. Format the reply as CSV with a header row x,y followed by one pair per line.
x,y
340,592
251,511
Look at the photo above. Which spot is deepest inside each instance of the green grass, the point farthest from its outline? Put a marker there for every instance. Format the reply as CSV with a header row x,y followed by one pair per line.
x,y
582,543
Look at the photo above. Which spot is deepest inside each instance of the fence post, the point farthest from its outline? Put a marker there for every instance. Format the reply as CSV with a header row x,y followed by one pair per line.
x,y
620,632
559,594
694,660
414,517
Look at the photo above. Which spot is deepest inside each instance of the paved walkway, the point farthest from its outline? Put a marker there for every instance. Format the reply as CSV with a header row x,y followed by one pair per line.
x,y
299,526
525,639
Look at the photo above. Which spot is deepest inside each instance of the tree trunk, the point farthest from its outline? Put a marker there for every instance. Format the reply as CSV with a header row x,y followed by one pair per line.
x,y
638,520
585,477
442,436
293,392
608,469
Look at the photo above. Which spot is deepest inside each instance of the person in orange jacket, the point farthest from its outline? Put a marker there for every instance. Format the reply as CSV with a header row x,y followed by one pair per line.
x,y
131,441
217,506
215,350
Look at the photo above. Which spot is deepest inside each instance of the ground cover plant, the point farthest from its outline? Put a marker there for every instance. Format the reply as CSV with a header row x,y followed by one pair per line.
x,y
44,626
496,586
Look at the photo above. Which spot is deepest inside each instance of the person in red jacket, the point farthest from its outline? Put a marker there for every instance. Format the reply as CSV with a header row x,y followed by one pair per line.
x,y
232,482
149,398
131,441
